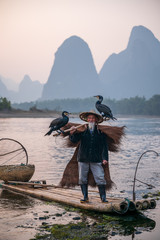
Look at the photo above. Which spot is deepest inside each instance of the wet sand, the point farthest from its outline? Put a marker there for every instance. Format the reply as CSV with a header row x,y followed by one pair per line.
x,y
26,216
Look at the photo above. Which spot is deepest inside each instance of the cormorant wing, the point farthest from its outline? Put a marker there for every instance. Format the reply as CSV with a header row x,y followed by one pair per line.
x,y
103,108
56,122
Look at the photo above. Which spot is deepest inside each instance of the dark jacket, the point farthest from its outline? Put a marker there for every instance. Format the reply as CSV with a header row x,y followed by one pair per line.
x,y
93,146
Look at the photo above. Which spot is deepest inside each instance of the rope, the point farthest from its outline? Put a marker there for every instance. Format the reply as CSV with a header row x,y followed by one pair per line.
x,y
12,158
13,140
1,155
149,185
122,212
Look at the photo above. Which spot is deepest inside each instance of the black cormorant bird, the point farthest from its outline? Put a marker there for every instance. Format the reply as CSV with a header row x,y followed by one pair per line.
x,y
57,123
104,110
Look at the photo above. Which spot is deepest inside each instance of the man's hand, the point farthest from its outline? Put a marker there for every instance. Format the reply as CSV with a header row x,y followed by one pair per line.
x,y
104,162
73,130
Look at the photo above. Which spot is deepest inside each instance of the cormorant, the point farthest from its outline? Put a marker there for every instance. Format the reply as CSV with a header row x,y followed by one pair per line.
x,y
104,110
58,123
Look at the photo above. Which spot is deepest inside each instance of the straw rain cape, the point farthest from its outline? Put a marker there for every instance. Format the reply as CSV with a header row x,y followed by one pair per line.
x,y
70,175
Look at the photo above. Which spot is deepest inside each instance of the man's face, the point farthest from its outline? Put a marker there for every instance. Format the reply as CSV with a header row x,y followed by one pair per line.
x,y
91,118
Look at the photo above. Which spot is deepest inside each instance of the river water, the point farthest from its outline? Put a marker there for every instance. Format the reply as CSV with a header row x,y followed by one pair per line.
x,y
21,215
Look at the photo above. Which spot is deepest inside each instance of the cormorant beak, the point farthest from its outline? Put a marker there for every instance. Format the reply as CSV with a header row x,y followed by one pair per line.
x,y
96,96
67,114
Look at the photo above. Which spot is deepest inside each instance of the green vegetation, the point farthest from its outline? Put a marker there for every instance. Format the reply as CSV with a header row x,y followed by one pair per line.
x,y
155,195
4,104
127,106
101,227
95,226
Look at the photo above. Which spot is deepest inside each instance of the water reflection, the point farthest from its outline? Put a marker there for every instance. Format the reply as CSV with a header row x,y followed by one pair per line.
x,y
133,225
13,201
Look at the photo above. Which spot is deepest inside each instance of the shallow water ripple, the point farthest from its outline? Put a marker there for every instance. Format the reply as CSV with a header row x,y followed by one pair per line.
x,y
50,159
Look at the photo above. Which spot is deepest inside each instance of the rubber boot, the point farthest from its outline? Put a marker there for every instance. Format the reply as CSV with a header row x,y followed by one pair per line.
x,y
84,188
102,192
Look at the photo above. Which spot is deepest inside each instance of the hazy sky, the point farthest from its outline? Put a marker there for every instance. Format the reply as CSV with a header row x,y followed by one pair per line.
x,y
32,30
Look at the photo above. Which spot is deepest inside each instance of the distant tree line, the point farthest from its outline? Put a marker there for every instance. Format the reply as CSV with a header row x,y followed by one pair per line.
x,y
4,104
127,106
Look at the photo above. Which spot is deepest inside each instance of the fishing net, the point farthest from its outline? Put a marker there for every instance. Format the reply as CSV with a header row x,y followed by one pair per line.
x,y
12,152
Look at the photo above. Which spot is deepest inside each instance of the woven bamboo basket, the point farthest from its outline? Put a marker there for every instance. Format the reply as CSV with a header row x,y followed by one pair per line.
x,y
16,172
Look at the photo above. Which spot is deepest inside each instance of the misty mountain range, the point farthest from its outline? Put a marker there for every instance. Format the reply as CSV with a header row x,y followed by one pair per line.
x,y
135,71
26,91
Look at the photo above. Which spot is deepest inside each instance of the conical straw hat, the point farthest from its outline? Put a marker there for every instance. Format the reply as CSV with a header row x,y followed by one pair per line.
x,y
83,116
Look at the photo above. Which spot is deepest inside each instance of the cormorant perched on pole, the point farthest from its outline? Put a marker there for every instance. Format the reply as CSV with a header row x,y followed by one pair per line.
x,y
58,123
104,110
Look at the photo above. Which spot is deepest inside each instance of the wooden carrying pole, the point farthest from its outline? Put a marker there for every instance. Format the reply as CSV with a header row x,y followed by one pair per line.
x,y
70,129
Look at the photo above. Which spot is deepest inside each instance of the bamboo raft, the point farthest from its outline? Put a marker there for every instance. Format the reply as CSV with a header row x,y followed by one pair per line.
x,y
72,197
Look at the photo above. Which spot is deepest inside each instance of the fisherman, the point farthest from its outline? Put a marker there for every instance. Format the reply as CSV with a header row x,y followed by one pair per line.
x,y
91,141
92,153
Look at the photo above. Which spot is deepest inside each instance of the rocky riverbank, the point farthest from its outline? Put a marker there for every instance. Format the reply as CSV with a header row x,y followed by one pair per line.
x,y
93,226
32,114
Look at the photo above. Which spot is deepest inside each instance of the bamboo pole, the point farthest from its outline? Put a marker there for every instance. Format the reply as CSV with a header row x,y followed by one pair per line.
x,y
78,193
145,204
152,203
138,205
32,184
81,125
70,129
